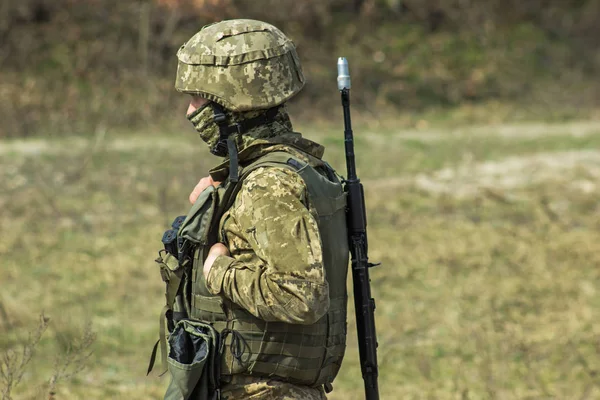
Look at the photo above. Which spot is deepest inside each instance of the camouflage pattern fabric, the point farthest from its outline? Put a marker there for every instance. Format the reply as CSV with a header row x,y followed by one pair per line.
x,y
241,64
270,282
275,270
247,387
261,140
203,121
275,280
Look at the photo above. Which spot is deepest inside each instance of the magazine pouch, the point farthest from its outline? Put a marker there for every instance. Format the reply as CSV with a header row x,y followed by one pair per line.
x,y
193,361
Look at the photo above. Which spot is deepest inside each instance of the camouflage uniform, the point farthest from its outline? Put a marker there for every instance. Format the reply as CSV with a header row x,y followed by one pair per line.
x,y
248,387
275,270
271,213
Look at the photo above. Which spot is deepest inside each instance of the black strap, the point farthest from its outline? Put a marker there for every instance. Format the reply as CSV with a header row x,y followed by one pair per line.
x,y
153,357
237,347
247,124
243,126
220,148
233,160
225,145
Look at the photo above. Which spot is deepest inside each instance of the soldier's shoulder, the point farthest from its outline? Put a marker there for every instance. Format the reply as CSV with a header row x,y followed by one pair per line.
x,y
274,181
266,187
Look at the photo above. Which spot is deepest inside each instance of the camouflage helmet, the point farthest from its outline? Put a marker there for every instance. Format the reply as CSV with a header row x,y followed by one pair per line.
x,y
241,64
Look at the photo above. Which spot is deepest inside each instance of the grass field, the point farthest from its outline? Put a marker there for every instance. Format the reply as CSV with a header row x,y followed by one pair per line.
x,y
489,238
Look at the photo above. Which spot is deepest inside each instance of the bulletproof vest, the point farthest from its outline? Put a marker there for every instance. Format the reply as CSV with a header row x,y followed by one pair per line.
x,y
302,354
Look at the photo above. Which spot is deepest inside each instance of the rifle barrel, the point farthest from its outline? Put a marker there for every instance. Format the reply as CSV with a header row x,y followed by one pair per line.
x,y
364,304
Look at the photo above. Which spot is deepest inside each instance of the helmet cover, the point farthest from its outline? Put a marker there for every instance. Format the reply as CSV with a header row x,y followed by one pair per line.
x,y
240,64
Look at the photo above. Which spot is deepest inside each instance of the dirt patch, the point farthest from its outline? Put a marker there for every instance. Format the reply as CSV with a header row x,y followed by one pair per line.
x,y
581,168
517,131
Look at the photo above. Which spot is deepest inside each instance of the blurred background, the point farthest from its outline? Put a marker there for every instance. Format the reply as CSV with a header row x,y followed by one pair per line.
x,y
72,65
477,137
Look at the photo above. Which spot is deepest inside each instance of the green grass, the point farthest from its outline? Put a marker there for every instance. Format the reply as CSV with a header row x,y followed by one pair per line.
x,y
488,288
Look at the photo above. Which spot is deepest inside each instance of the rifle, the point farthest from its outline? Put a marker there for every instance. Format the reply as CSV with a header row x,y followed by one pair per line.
x,y
356,217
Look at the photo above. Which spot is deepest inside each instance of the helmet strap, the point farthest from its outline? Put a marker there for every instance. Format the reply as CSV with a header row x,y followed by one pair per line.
x,y
233,160
226,145
220,148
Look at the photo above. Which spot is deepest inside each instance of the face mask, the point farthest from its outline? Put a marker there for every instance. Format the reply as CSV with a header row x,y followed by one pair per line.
x,y
205,125
237,127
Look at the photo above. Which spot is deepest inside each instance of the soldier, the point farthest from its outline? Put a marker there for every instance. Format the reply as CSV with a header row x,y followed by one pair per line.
x,y
272,280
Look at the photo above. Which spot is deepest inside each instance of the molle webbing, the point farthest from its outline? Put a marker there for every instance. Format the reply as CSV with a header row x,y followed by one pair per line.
x,y
303,354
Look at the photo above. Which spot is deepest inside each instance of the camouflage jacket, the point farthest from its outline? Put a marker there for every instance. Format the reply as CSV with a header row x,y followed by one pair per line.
x,y
275,270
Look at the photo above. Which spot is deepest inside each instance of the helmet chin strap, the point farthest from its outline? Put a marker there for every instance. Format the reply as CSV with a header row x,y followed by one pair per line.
x,y
226,145
220,148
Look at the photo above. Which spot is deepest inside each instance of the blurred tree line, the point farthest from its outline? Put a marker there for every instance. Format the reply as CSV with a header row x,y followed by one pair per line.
x,y
72,66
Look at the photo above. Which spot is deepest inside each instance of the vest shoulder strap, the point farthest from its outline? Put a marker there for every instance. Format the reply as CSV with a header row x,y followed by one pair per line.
x,y
274,159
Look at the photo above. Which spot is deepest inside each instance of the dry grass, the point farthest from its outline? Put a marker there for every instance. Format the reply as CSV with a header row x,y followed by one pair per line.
x,y
488,288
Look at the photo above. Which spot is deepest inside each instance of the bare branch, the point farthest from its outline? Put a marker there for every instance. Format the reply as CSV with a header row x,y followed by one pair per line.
x,y
13,364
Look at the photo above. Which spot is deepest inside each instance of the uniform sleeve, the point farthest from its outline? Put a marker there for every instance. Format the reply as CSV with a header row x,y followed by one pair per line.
x,y
286,280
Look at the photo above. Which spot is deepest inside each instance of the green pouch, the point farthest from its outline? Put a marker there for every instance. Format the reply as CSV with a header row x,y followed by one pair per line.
x,y
196,226
193,361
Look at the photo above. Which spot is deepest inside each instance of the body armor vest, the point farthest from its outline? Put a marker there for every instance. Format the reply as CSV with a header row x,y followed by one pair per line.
x,y
302,354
